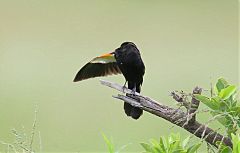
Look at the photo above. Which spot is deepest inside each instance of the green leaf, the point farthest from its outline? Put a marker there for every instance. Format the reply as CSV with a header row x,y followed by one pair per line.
x,y
236,110
193,148
175,145
221,84
146,146
185,142
207,101
238,147
227,92
223,121
216,101
156,145
226,150
236,142
163,144
179,151
220,119
108,143
224,106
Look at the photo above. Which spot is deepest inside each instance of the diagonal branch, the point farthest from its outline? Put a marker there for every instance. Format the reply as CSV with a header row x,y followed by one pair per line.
x,y
175,116
194,105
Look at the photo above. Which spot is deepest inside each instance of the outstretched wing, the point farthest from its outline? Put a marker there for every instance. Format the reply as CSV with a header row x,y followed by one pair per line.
x,y
100,66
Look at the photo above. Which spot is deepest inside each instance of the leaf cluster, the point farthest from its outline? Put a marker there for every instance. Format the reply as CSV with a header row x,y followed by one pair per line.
x,y
224,105
236,145
172,144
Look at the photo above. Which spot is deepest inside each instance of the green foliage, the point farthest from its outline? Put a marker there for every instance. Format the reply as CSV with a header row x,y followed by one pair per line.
x,y
236,145
224,105
225,108
172,144
108,143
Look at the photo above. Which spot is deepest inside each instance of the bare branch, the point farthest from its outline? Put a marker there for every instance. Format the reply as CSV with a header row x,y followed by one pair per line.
x,y
175,116
194,105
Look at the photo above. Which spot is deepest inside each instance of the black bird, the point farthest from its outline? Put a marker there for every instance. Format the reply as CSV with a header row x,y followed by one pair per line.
x,y
126,60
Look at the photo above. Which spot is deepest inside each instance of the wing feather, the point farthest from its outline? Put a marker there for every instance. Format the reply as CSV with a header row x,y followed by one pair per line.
x,y
97,68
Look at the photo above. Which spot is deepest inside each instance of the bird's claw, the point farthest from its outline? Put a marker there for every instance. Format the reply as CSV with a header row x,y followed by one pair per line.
x,y
123,89
133,91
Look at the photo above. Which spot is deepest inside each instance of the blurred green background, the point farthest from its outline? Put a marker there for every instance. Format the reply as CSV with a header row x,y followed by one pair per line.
x,y
44,43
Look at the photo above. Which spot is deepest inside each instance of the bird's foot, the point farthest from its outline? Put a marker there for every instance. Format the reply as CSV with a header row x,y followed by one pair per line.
x,y
134,91
124,87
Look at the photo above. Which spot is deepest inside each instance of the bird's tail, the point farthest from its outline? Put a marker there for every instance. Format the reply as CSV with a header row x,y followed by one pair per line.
x,y
130,110
134,112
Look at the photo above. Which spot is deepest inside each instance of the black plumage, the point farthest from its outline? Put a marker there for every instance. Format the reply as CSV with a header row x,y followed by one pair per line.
x,y
132,67
126,60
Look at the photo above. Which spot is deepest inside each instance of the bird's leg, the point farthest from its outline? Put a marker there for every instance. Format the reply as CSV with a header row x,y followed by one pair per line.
x,y
134,89
124,86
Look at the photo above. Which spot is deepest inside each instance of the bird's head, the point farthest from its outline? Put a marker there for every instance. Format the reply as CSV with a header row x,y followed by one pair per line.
x,y
126,47
128,44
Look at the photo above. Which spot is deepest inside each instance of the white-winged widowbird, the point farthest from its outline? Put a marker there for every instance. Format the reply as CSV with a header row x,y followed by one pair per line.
x,y
124,60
